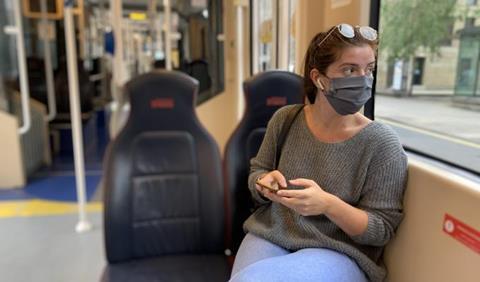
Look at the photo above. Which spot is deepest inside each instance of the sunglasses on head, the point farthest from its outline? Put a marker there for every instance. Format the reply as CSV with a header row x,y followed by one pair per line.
x,y
348,31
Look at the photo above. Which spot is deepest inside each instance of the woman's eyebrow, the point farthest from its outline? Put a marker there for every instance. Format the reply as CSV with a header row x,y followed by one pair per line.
x,y
356,65
349,64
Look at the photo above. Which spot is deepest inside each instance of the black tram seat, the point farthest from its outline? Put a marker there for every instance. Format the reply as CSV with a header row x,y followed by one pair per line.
x,y
164,198
264,94
198,69
86,92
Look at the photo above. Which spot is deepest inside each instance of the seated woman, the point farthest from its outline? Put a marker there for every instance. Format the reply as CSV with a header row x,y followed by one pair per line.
x,y
349,172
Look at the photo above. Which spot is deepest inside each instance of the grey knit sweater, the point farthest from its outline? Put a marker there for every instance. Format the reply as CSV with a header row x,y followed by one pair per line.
x,y
368,171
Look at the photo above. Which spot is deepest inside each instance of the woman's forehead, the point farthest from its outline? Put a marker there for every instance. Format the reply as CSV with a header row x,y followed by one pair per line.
x,y
360,55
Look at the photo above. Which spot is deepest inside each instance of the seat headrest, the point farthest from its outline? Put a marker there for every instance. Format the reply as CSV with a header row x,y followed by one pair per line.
x,y
268,91
161,100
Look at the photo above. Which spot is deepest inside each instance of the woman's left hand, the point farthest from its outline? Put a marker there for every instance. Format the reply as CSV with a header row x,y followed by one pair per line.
x,y
312,200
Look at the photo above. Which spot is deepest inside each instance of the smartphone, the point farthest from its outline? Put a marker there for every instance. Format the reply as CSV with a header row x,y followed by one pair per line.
x,y
273,189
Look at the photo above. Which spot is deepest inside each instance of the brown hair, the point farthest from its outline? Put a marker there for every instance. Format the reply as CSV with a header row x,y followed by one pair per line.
x,y
320,57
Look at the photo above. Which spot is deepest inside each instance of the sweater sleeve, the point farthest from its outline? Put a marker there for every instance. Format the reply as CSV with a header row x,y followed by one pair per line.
x,y
264,161
382,196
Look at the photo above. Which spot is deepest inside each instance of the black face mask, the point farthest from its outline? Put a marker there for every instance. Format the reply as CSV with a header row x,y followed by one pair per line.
x,y
347,95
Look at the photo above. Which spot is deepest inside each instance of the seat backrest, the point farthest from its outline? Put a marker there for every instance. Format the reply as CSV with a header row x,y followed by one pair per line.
x,y
264,94
163,181
198,69
86,88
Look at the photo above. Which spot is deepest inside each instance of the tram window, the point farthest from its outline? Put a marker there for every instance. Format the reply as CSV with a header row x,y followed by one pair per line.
x,y
429,92
291,36
272,35
197,51
32,9
34,6
264,30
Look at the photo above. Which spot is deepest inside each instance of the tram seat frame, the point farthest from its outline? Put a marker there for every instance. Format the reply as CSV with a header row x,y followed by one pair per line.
x,y
264,94
164,198
422,248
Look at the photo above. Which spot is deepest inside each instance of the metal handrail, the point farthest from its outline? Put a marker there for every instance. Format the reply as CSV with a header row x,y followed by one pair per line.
x,y
168,38
255,37
239,7
17,31
52,103
83,224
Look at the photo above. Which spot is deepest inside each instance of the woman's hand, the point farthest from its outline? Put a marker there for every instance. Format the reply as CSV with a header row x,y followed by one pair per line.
x,y
272,179
309,201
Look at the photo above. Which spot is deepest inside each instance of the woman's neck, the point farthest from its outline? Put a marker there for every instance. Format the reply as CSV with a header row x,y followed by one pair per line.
x,y
328,126
324,115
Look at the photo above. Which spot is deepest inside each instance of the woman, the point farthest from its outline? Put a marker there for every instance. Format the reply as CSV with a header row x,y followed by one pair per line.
x,y
352,172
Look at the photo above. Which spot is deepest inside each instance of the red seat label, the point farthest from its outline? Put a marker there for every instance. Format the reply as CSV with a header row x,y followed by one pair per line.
x,y
462,232
162,103
275,101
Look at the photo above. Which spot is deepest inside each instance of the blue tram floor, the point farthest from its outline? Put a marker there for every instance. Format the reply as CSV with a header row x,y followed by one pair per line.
x,y
56,183
52,187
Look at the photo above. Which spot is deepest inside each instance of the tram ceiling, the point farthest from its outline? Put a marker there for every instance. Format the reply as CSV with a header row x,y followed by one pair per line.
x,y
183,6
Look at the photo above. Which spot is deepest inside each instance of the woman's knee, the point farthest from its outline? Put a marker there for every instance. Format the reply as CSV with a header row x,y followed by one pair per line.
x,y
259,271
254,249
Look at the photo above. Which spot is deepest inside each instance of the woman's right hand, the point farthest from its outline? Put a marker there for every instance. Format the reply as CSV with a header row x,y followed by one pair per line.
x,y
272,178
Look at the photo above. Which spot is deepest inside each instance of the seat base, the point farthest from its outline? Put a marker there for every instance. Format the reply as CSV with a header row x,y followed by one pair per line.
x,y
178,268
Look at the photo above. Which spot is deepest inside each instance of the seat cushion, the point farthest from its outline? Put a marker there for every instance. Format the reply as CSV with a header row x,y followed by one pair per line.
x,y
208,268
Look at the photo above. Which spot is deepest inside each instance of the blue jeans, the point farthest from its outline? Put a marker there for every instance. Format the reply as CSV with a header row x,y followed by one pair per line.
x,y
260,260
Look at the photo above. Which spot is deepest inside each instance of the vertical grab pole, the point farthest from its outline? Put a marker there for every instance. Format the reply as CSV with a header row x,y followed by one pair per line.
x,y
152,16
255,41
283,34
240,4
52,104
83,224
274,57
116,19
168,30
17,30
118,66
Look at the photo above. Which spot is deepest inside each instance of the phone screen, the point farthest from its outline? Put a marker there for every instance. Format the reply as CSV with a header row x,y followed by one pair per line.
x,y
273,189
278,187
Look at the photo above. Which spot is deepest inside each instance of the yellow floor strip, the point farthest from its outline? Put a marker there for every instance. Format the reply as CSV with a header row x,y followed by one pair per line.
x,y
30,208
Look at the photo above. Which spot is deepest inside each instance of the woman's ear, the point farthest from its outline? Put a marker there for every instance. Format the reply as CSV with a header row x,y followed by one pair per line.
x,y
315,77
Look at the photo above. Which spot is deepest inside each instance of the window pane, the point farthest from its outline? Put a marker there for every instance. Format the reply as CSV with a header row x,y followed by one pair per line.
x,y
291,38
196,49
264,29
428,91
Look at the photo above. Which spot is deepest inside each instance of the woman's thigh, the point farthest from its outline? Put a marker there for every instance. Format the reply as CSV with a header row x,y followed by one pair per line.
x,y
304,265
253,249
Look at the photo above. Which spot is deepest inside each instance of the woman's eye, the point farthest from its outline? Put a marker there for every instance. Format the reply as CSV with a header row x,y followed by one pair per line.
x,y
348,71
369,71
